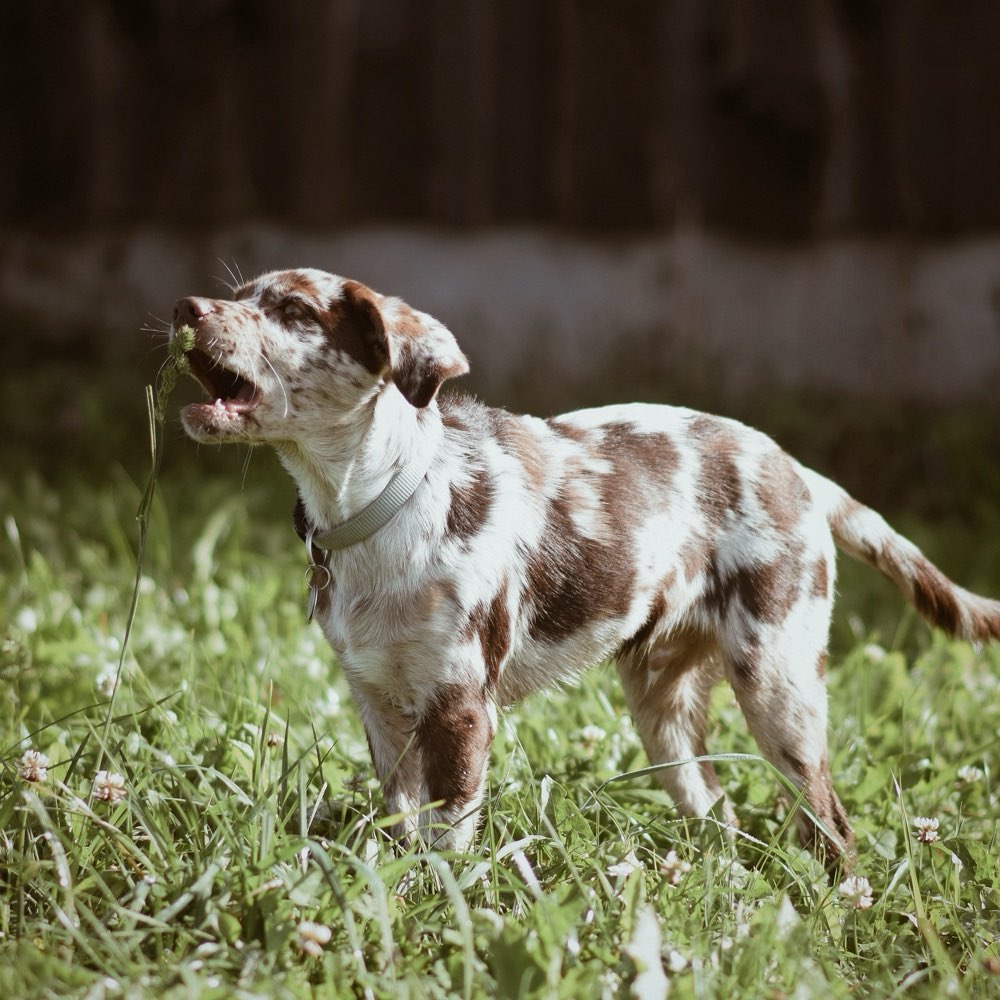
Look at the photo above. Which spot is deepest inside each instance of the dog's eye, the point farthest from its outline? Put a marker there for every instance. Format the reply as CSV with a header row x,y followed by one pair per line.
x,y
292,309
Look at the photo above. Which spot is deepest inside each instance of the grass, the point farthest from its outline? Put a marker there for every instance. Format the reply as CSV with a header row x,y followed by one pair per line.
x,y
250,812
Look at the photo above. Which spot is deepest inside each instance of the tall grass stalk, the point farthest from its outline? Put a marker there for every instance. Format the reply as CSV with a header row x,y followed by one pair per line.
x,y
175,365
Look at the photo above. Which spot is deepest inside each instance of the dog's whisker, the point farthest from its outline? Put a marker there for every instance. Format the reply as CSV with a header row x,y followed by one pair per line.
x,y
236,278
246,468
166,324
163,365
229,286
281,383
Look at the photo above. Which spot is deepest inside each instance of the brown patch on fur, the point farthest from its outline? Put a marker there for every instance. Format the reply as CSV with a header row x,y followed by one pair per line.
x,y
641,471
845,510
935,598
293,284
836,851
407,323
768,592
451,419
518,439
353,324
638,641
299,284
820,579
781,491
821,662
694,557
720,489
432,597
454,734
572,580
470,505
418,378
570,431
639,456
490,623
744,666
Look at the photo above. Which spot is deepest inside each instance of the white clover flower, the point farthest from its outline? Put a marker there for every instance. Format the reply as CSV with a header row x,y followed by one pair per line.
x,y
590,737
312,937
857,892
630,863
33,766
27,620
676,962
274,740
105,683
109,786
674,868
610,983
328,704
969,775
927,829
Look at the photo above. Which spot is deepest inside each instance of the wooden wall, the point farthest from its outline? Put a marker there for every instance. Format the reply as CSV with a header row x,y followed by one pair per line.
x,y
771,118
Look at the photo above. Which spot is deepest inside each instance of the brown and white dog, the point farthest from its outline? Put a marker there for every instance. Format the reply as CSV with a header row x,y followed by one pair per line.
x,y
488,555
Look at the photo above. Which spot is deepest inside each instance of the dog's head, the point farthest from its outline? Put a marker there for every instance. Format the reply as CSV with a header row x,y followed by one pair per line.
x,y
296,346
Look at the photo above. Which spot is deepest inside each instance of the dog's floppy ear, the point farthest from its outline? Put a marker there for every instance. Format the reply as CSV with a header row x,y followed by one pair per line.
x,y
422,351
419,352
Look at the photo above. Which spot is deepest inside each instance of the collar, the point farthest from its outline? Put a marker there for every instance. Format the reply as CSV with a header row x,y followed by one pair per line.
x,y
369,519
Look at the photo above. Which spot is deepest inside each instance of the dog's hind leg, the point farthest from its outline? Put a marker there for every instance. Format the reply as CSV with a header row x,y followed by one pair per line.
x,y
667,689
781,688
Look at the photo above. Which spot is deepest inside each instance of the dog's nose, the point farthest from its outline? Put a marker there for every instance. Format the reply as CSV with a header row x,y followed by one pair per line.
x,y
191,311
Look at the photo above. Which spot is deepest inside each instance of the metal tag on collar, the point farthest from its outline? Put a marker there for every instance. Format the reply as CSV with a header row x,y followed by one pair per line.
x,y
318,577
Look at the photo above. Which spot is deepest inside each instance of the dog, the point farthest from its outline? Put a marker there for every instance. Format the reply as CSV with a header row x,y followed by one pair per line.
x,y
462,557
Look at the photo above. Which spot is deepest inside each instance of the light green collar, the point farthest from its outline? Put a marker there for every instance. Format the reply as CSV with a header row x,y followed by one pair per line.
x,y
377,514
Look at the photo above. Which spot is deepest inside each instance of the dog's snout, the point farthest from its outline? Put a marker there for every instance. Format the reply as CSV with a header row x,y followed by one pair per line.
x,y
191,311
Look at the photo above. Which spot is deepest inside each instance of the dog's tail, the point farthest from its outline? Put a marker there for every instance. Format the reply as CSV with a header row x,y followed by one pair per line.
x,y
865,535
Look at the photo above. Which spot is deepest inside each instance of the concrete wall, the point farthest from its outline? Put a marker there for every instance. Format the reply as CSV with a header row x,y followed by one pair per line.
x,y
861,315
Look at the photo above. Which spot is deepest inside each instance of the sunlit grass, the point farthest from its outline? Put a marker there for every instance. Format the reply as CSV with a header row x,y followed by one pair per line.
x,y
246,853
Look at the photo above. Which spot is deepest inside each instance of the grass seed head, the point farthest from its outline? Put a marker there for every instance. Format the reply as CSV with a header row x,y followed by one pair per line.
x,y
176,364
180,343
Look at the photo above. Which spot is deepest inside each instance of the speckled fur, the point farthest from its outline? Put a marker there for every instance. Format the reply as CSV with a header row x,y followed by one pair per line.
x,y
686,547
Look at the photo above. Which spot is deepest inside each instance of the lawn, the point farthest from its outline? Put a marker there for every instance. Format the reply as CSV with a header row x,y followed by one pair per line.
x,y
212,827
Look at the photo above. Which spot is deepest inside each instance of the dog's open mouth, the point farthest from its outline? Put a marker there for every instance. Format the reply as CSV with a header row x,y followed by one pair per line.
x,y
228,390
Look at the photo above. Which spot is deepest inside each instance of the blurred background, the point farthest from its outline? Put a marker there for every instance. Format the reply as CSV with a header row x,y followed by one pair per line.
x,y
783,210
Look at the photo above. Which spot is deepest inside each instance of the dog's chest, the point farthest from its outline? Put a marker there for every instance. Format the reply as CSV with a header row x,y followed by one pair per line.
x,y
391,640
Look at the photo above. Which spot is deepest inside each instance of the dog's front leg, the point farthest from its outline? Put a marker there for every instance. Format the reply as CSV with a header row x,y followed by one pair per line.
x,y
454,735
393,744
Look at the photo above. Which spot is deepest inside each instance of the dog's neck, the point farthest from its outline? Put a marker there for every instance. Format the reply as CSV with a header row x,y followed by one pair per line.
x,y
342,469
